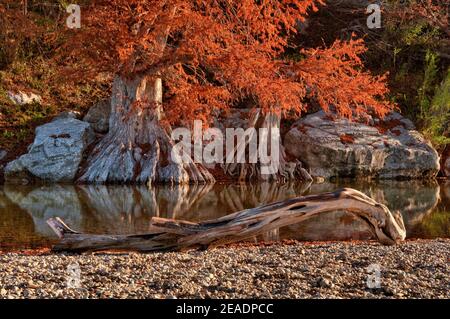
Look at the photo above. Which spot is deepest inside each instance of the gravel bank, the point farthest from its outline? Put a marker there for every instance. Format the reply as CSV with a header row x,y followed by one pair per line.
x,y
414,269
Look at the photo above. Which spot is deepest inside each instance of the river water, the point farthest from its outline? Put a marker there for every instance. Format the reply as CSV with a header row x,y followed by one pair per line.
x,y
425,208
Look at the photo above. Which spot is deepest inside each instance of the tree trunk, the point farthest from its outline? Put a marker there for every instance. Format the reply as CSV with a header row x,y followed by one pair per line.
x,y
137,149
170,234
250,171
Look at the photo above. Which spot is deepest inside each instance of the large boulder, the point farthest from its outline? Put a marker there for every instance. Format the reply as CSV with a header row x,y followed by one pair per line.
x,y
55,154
391,149
98,116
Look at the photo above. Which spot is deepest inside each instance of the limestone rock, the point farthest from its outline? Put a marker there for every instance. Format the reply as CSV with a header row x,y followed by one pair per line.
x,y
55,154
98,116
341,148
67,115
22,98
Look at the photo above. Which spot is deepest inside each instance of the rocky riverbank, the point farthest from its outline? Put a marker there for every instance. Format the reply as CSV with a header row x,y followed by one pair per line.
x,y
319,145
413,269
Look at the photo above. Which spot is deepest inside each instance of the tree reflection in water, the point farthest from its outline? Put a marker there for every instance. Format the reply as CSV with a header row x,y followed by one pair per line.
x,y
129,209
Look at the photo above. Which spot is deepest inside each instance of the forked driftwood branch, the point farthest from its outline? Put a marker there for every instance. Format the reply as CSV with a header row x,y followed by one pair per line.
x,y
169,234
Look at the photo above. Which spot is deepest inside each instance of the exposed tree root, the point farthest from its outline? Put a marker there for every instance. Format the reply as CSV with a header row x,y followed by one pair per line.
x,y
137,149
253,171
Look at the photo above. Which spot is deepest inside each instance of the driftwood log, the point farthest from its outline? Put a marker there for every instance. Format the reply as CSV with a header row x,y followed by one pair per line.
x,y
169,234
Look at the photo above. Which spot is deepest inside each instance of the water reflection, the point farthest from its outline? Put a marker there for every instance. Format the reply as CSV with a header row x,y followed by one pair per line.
x,y
127,209
415,200
45,202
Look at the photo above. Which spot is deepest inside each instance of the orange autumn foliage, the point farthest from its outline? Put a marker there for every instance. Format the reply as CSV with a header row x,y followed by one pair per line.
x,y
15,29
214,53
334,76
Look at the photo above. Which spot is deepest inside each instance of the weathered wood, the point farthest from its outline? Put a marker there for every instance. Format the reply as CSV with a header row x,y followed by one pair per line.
x,y
169,234
287,171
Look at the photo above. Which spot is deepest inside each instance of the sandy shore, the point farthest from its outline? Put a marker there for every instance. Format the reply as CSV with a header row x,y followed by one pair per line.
x,y
413,269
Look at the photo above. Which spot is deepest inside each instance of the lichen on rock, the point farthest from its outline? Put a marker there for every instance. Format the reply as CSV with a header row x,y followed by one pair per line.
x,y
55,154
391,149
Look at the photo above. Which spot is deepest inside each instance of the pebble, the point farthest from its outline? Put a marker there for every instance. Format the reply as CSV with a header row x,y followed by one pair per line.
x,y
324,283
412,269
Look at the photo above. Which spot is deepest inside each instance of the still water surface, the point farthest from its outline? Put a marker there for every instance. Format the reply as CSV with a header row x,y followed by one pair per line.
x,y
24,210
